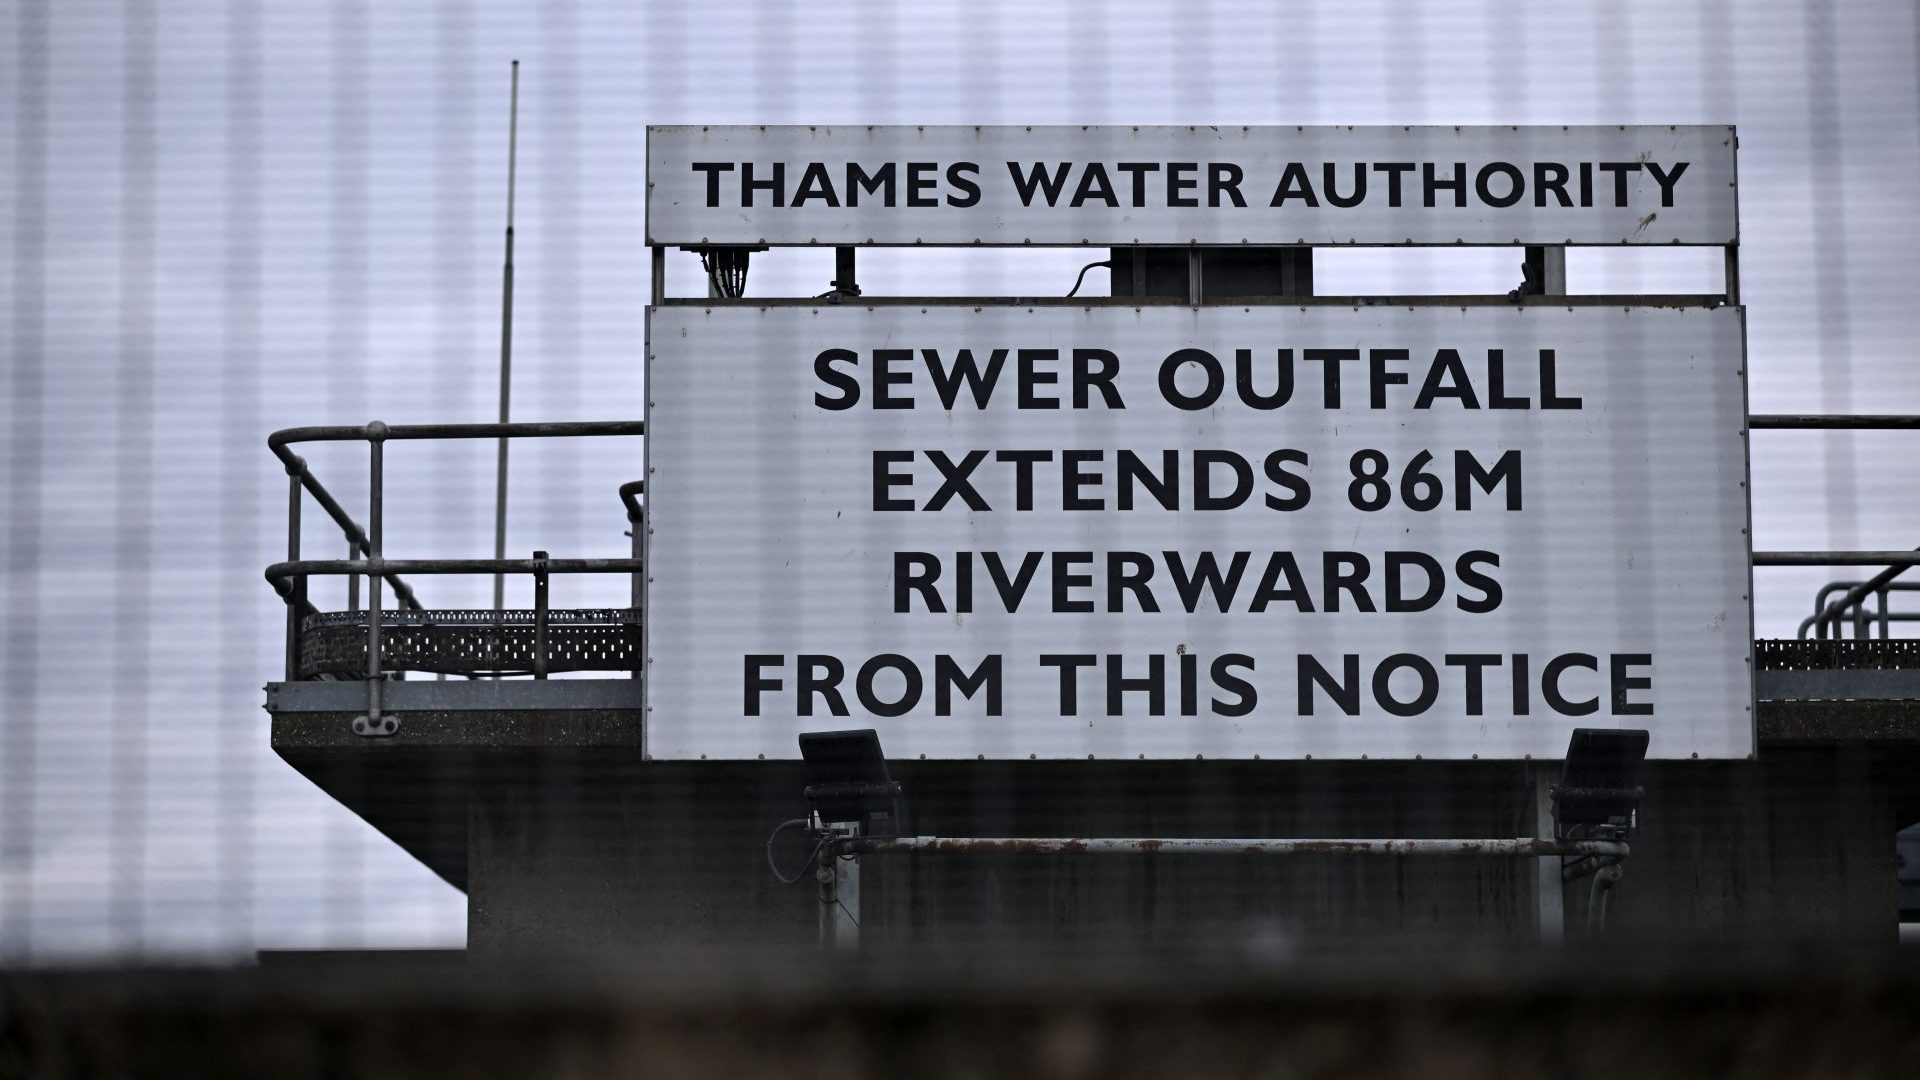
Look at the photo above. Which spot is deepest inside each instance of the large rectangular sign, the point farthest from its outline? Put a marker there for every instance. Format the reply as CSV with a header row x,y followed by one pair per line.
x,y
1119,186
1273,532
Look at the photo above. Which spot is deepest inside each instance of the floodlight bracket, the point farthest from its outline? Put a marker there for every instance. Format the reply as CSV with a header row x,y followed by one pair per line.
x,y
1597,795
1618,825
849,781
870,800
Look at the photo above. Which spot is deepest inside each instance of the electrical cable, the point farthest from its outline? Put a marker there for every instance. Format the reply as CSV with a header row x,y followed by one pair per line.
x,y
726,270
1083,275
812,856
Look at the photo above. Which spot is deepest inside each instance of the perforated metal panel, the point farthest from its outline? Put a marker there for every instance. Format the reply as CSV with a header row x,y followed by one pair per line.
x,y
470,642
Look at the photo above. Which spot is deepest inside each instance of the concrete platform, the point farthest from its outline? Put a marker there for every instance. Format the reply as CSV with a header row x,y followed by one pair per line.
x,y
564,834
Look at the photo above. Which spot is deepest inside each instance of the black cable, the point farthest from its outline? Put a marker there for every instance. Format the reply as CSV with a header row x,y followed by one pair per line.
x,y
812,856
1083,275
726,270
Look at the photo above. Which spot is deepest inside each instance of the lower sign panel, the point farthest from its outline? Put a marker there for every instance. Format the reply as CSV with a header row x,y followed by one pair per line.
x,y
1168,532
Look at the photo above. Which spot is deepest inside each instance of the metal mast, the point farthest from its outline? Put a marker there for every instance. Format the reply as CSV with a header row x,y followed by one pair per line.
x,y
506,350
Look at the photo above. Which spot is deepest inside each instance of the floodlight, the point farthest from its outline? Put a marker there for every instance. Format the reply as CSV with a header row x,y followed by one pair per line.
x,y
847,776
1599,790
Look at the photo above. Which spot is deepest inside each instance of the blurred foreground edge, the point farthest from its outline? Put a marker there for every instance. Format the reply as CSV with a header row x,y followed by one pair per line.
x,y
1642,1011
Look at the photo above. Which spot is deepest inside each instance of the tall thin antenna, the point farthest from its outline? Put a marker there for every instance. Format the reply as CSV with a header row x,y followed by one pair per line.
x,y
506,350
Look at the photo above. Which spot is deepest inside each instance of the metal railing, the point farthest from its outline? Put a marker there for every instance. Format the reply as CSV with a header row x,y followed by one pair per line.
x,y
365,558
1841,615
1850,607
365,547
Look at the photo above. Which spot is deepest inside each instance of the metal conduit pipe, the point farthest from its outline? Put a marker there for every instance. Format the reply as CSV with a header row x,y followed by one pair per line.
x,y
1604,880
956,845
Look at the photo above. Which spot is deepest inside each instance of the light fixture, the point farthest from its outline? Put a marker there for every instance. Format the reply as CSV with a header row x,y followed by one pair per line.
x,y
1599,791
847,779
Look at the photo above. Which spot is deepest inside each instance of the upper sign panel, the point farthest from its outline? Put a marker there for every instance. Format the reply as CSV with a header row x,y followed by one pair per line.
x,y
1117,186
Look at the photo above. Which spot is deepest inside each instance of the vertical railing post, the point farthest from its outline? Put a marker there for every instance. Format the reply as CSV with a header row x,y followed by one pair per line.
x,y
638,599
637,592
374,723
297,591
1549,889
353,580
539,614
838,887
631,495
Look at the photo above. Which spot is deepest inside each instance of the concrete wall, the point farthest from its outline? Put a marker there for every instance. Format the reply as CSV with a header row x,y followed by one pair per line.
x,y
600,849
1798,844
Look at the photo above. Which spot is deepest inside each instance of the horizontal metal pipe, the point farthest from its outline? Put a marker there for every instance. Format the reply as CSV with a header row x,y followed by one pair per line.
x,y
339,567
1832,422
955,845
1901,559
555,430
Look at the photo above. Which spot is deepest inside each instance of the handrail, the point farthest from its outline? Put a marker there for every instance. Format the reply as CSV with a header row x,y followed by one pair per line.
x,y
364,548
296,466
630,493
377,431
298,568
1832,422
355,535
1895,562
1879,586
1897,559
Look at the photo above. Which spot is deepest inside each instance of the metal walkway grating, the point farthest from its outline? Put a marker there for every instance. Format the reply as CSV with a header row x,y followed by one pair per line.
x,y
334,644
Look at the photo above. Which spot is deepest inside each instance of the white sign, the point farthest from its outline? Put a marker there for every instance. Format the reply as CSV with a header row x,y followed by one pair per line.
x,y
1191,185
1066,532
